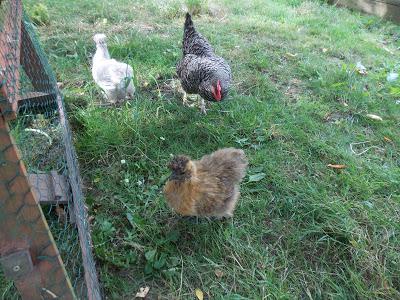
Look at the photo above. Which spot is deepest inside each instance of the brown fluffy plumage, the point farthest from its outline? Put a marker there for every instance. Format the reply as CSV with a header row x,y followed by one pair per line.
x,y
206,187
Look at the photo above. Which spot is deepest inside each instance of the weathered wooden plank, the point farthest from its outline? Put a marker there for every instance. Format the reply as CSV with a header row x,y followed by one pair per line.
x,y
49,188
388,9
17,264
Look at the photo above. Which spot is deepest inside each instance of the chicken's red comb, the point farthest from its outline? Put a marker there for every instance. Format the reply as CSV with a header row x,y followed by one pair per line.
x,y
217,93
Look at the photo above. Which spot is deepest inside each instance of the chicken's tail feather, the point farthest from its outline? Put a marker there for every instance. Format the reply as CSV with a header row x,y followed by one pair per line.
x,y
188,22
230,161
241,164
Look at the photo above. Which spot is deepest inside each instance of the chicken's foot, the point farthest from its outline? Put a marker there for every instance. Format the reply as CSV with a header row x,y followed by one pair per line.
x,y
203,106
184,99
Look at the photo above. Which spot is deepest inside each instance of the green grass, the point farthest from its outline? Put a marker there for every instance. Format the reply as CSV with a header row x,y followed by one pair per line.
x,y
301,230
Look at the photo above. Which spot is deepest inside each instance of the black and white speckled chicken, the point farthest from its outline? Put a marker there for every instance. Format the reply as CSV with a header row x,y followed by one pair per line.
x,y
200,70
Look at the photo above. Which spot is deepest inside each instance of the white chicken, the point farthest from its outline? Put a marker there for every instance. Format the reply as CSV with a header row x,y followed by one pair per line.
x,y
114,78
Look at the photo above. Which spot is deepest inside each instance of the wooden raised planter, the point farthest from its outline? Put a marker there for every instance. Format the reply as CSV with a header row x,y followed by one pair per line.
x,y
28,253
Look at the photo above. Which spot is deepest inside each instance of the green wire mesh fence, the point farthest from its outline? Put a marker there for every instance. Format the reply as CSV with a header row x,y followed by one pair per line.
x,y
45,243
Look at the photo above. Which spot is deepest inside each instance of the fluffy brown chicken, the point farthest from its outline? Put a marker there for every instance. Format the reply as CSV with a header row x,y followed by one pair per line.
x,y
206,187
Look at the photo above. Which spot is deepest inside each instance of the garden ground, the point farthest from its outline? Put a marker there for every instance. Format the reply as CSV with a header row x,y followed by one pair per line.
x,y
298,105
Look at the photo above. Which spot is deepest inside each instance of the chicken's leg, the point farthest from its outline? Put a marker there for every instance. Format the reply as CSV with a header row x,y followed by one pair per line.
x,y
184,99
203,106
184,94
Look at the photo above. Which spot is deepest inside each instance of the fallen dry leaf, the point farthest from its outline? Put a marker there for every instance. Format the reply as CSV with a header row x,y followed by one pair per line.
x,y
374,117
62,216
386,285
387,139
388,50
288,54
199,294
219,273
336,166
261,266
142,292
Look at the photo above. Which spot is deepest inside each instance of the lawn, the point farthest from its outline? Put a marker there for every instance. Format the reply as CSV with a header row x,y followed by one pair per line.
x,y
298,103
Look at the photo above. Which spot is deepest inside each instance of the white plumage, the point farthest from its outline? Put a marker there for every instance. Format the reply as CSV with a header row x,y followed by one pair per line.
x,y
114,77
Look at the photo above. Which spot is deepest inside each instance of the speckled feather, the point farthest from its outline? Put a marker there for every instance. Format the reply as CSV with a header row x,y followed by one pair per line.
x,y
199,67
